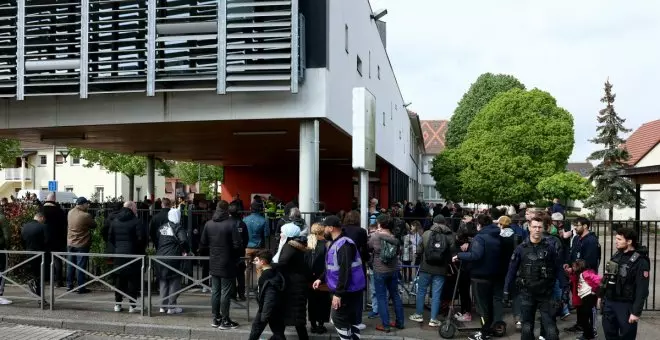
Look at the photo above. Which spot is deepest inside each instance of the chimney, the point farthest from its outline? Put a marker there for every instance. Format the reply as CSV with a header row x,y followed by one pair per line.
x,y
382,30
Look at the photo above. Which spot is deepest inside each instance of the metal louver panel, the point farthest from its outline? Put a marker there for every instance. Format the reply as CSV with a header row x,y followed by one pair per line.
x,y
261,36
52,47
86,47
117,46
8,15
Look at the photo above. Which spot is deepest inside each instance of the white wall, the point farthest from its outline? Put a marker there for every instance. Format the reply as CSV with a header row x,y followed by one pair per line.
x,y
393,125
84,181
650,193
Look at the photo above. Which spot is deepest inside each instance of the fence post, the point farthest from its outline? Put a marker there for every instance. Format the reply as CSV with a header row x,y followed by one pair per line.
x,y
42,281
149,278
52,279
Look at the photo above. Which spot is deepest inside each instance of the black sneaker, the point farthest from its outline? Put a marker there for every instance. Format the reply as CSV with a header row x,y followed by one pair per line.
x,y
227,324
573,329
83,290
215,323
32,285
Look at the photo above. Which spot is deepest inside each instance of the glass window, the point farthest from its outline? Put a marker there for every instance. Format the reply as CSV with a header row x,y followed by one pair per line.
x,y
75,161
43,160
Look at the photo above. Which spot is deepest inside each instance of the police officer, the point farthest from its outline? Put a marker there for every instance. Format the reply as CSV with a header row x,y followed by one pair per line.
x,y
625,286
534,267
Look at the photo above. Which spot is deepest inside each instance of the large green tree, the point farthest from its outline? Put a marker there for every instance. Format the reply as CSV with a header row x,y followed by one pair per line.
x,y
567,185
128,165
206,174
484,89
518,139
611,190
10,149
445,170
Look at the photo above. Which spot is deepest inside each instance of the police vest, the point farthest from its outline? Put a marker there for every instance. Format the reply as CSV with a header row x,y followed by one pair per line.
x,y
536,272
357,281
621,279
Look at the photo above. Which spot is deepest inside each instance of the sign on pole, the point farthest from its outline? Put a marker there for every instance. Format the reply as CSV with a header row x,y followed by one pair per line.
x,y
52,186
364,129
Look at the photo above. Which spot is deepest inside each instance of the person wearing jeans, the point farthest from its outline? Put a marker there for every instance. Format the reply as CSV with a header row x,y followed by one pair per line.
x,y
79,238
432,271
172,241
386,275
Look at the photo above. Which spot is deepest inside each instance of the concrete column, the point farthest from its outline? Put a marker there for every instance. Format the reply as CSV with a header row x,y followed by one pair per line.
x,y
308,178
364,198
151,178
23,173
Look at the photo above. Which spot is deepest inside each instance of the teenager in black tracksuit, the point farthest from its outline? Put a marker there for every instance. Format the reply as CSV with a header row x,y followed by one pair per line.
x,y
270,291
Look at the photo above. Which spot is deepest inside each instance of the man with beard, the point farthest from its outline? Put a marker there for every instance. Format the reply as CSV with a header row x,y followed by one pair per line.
x,y
344,277
585,247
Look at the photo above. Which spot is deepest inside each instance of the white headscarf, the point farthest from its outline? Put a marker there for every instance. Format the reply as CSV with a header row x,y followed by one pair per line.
x,y
174,216
288,230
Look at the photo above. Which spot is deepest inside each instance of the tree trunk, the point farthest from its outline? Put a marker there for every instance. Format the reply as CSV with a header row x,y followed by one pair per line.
x,y
215,189
131,187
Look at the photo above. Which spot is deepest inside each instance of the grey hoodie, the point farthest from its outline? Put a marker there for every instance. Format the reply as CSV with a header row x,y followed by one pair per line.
x,y
435,269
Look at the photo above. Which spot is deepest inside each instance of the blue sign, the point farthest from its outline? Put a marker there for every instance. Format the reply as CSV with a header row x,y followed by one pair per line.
x,y
52,186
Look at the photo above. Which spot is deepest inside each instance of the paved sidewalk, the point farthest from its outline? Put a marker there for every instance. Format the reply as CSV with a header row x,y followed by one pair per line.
x,y
23,332
195,323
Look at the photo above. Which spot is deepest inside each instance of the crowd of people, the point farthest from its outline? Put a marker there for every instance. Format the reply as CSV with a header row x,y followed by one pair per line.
x,y
321,272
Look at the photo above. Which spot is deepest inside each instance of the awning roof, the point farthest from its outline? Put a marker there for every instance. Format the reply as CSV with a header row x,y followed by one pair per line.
x,y
642,175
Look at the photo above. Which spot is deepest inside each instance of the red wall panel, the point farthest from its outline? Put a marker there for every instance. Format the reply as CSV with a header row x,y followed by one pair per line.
x,y
336,187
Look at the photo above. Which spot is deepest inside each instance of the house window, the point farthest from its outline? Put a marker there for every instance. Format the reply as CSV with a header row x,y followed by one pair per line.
x,y
430,194
98,192
75,161
43,160
44,188
378,69
359,66
68,189
346,38
59,159
137,192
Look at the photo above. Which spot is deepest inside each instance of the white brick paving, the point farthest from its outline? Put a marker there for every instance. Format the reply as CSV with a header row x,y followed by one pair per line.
x,y
22,332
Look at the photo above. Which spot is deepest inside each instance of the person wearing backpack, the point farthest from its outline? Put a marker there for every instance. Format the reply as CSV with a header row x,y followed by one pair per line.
x,y
435,254
385,248
484,258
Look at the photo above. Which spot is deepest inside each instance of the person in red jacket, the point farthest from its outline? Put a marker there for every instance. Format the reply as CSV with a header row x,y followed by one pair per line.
x,y
585,283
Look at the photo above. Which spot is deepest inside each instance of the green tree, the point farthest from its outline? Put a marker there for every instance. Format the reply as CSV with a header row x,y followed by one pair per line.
x,y
128,165
10,149
611,190
519,138
566,185
191,173
479,94
444,171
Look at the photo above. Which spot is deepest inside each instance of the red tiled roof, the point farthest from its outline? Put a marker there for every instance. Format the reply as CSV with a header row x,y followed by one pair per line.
x,y
434,135
642,141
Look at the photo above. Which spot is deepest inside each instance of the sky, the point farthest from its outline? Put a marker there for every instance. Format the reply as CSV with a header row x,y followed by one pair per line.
x,y
568,48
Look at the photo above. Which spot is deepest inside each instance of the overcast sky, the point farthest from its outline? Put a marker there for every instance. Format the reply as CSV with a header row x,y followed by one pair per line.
x,y
568,48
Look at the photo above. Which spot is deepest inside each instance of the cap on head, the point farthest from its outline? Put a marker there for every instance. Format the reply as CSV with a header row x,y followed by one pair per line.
x,y
439,219
557,217
331,221
81,201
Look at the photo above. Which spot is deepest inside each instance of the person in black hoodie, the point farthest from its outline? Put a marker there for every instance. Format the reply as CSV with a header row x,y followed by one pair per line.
x,y
241,228
127,237
269,296
224,243
57,228
466,232
35,238
159,220
172,241
319,301
484,257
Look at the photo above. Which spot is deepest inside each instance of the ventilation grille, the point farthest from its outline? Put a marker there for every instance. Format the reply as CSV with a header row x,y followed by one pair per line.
x,y
83,47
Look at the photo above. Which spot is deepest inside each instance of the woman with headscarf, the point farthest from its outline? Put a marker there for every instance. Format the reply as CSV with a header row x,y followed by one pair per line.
x,y
172,241
290,261
319,300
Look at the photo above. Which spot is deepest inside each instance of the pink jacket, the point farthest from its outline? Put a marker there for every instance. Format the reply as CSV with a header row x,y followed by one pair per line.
x,y
592,279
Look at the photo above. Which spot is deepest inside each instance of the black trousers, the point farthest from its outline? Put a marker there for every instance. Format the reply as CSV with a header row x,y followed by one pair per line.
x,y
240,279
484,291
586,316
546,306
276,326
129,283
615,321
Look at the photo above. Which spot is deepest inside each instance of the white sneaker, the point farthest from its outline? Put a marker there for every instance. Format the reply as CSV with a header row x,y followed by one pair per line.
x,y
163,310
541,338
4,301
416,318
175,310
118,308
134,309
434,323
205,290
361,326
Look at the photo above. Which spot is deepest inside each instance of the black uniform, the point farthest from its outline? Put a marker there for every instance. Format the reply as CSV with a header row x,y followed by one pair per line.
x,y
535,267
625,287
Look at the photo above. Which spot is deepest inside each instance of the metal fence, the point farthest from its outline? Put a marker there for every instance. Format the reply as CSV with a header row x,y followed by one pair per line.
x,y
35,258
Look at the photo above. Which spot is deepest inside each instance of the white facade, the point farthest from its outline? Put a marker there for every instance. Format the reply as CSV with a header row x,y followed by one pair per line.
x,y
72,176
430,194
650,194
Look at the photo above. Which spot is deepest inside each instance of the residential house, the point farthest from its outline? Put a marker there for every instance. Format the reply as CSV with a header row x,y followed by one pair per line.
x,y
433,132
94,183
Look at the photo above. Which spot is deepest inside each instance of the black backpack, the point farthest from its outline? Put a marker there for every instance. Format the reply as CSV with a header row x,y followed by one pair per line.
x,y
436,250
388,251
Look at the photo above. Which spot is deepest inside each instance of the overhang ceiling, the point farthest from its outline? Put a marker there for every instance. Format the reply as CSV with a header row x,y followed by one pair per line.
x,y
237,143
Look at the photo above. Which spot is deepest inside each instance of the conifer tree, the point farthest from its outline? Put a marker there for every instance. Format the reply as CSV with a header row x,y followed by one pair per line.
x,y
610,189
